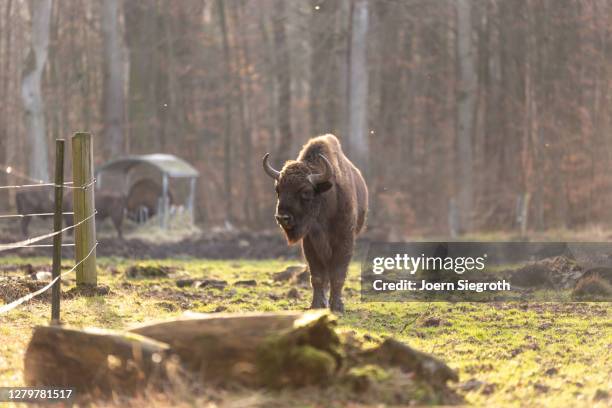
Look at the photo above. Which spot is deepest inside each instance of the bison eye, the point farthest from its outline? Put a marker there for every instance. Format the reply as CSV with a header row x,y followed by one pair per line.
x,y
306,195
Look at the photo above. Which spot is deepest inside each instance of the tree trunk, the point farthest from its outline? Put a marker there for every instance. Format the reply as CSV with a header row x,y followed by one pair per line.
x,y
466,102
283,79
142,26
243,87
323,73
31,92
358,146
114,99
227,131
4,92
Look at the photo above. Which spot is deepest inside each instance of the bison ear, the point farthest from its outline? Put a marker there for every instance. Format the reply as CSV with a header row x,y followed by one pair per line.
x,y
322,187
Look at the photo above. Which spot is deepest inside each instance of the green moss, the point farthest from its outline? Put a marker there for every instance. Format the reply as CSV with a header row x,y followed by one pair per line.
x,y
148,271
361,378
306,355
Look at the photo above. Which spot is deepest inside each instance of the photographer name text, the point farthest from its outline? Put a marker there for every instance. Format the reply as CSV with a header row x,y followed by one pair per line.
x,y
463,285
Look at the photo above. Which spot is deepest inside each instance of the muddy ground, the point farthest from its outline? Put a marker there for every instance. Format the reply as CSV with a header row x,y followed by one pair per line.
x,y
230,245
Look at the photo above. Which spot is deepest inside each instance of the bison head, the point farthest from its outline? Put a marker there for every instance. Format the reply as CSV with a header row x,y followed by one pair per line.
x,y
299,195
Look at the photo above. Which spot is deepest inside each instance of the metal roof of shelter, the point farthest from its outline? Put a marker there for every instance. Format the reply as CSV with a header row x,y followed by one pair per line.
x,y
165,163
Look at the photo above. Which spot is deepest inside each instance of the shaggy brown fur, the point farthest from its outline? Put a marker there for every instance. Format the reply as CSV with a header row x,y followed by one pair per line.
x,y
38,201
32,202
145,193
108,204
326,217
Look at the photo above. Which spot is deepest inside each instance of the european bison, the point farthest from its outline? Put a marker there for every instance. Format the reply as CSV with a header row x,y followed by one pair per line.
x,y
322,201
108,204
32,202
39,201
144,194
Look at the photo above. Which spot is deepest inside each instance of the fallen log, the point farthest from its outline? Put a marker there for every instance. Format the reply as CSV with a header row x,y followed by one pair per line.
x,y
394,353
92,360
224,346
271,350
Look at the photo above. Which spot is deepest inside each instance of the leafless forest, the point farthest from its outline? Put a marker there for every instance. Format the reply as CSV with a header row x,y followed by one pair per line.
x,y
480,115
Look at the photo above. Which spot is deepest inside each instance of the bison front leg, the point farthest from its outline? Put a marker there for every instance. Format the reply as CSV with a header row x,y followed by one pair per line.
x,y
320,286
337,276
319,277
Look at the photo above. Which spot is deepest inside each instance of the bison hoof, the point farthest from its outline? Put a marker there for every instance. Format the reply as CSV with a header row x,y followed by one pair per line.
x,y
318,303
337,306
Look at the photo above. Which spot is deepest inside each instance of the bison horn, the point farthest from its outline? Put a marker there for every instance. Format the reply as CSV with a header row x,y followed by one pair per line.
x,y
322,178
270,171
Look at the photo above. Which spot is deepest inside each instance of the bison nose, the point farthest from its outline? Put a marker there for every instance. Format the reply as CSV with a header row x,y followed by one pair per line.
x,y
284,219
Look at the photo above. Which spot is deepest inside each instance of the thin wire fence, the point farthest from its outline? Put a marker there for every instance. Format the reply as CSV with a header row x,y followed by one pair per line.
x,y
32,215
27,242
10,306
31,242
10,170
48,245
69,186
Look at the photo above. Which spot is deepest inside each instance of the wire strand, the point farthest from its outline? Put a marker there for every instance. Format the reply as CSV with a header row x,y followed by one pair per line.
x,y
26,242
66,185
46,245
10,170
32,215
10,306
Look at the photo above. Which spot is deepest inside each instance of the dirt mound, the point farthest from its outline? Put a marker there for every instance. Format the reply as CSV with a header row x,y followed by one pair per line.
x,y
592,287
149,271
12,289
290,273
559,272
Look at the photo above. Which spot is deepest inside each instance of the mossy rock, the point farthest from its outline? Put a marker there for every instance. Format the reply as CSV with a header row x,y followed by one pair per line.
x,y
149,271
309,354
361,378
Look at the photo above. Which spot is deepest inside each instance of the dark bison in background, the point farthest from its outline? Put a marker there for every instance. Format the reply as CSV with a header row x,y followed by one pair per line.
x,y
322,201
33,202
108,205
38,201
144,195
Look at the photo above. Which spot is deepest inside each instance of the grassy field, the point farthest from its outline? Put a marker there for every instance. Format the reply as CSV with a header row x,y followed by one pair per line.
x,y
507,354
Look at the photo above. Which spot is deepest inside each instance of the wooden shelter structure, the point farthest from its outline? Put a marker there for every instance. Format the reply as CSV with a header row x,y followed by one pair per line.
x,y
165,167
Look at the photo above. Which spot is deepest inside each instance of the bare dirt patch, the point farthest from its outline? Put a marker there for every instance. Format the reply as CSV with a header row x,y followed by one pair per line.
x,y
13,288
219,245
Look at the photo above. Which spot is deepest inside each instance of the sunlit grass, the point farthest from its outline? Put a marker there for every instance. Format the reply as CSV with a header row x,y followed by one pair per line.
x,y
532,354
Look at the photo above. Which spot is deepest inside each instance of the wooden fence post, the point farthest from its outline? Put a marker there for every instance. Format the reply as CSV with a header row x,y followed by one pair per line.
x,y
83,199
57,226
